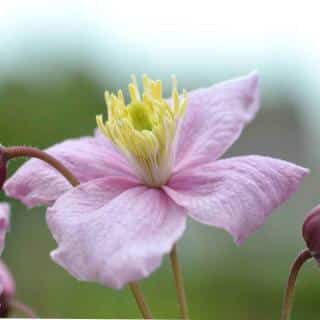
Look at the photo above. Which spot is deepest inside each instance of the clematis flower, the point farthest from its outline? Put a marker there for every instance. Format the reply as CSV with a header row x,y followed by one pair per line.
x,y
7,289
3,167
7,284
4,223
311,232
154,163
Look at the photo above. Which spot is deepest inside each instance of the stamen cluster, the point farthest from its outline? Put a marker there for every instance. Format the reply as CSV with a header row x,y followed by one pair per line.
x,y
144,130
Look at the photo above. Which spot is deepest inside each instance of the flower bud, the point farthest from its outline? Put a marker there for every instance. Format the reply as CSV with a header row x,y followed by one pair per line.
x,y
4,223
311,232
3,167
7,289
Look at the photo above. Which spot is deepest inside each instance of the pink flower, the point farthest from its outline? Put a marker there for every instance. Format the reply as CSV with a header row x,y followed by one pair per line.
x,y
7,284
4,223
311,232
157,166
3,167
7,290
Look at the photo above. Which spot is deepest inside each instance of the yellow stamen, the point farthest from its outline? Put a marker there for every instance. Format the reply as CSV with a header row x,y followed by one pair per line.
x,y
139,116
145,129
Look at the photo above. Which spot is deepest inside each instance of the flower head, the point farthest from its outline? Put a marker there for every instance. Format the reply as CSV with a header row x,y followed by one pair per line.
x,y
4,223
145,129
155,163
7,284
7,289
3,167
311,232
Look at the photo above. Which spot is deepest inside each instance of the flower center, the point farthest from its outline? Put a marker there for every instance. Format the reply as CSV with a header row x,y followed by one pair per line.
x,y
139,117
145,129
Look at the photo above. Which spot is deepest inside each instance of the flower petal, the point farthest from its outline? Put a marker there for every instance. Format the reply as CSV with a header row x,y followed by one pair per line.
x,y
7,283
36,183
4,223
113,233
236,194
214,119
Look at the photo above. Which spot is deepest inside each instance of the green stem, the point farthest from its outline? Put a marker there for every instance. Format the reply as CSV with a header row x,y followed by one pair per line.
x,y
143,307
178,281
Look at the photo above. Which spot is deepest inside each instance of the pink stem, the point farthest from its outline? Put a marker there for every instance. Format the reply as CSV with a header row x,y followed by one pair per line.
x,y
30,152
22,308
293,274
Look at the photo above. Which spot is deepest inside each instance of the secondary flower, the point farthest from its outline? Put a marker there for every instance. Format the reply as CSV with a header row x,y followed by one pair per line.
x,y
4,223
311,232
155,164
3,167
7,284
7,289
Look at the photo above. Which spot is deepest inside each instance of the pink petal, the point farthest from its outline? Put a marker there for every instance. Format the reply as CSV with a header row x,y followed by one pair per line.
x,y
215,118
113,232
7,282
4,223
36,183
236,194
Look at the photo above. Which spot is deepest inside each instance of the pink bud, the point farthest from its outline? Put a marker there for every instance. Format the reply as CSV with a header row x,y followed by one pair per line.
x,y
4,223
3,167
7,289
311,232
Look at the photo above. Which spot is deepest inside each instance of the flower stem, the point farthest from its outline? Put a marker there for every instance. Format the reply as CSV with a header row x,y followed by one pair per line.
x,y
178,281
30,152
143,307
22,308
303,256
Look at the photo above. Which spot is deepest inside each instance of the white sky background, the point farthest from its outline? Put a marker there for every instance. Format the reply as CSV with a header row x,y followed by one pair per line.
x,y
172,30
197,40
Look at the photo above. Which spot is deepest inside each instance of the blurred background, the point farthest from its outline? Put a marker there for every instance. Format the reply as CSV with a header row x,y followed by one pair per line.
x,y
57,58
